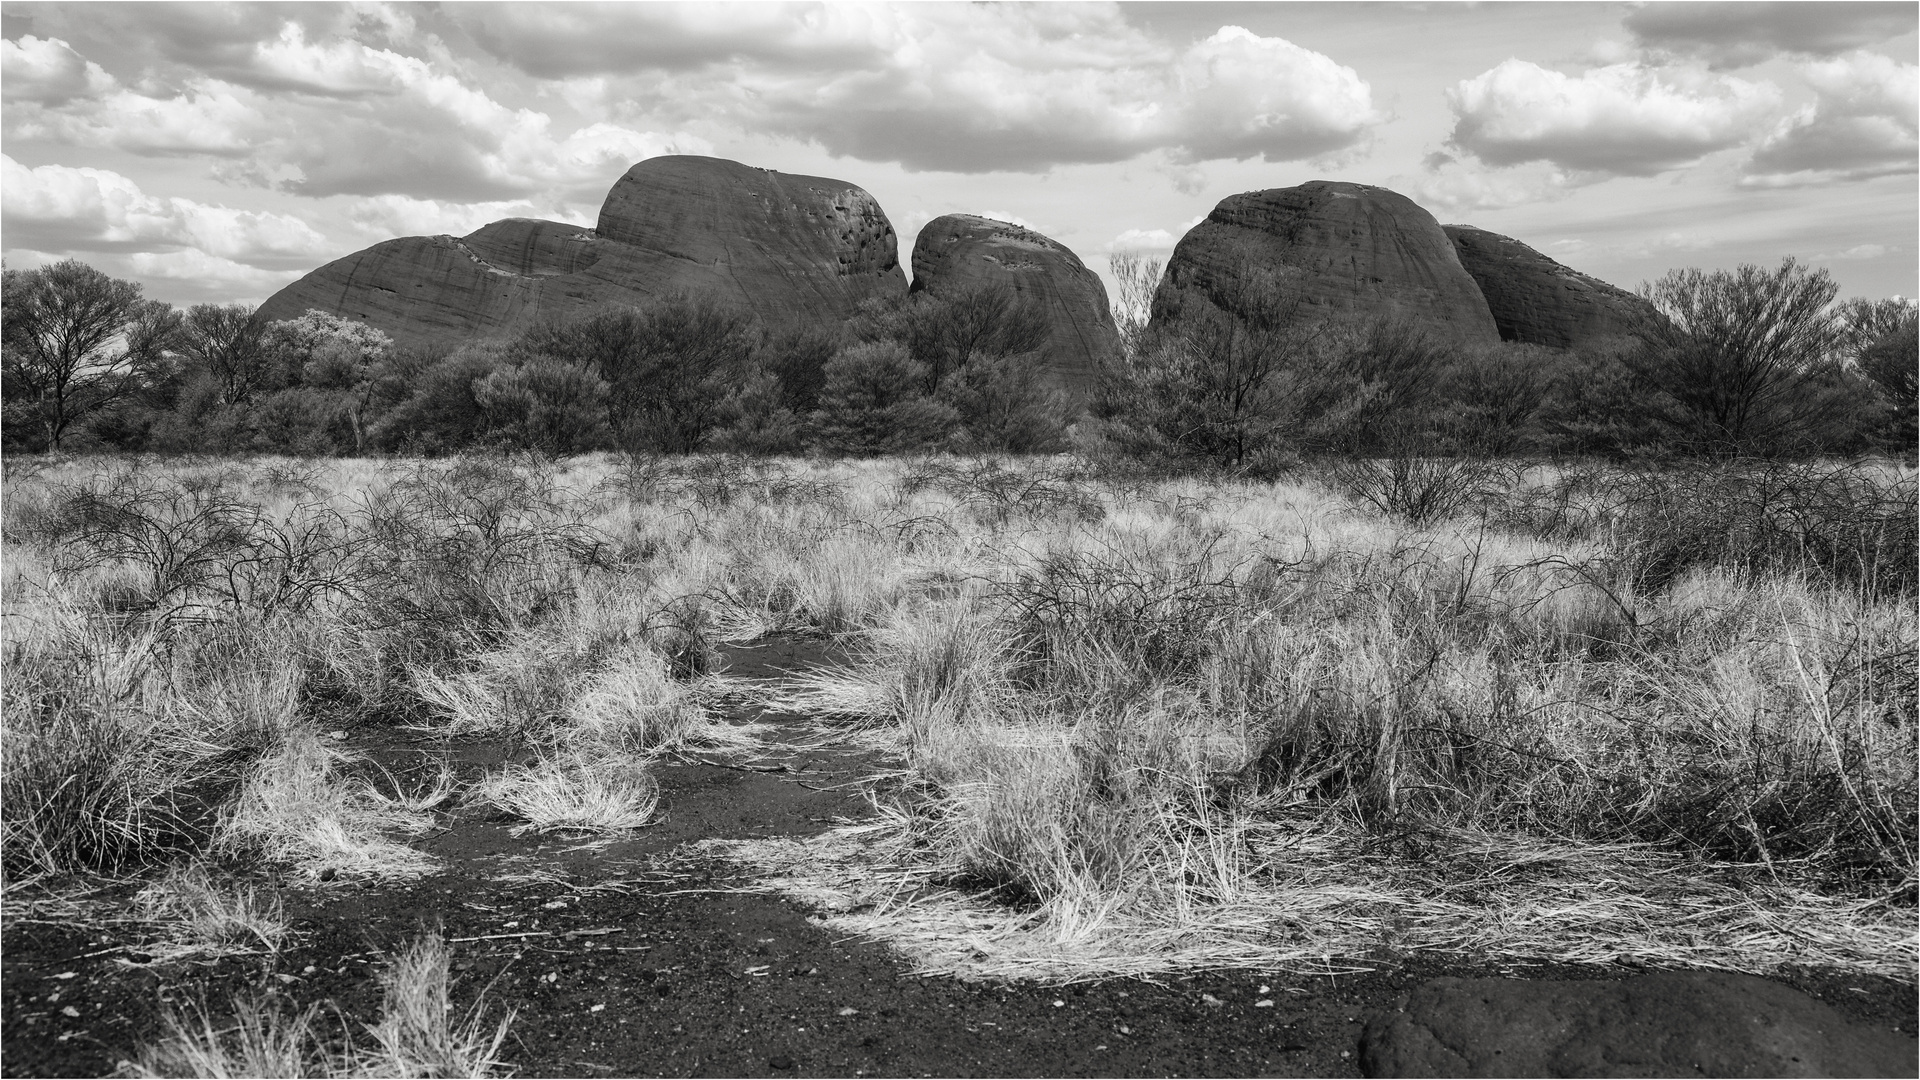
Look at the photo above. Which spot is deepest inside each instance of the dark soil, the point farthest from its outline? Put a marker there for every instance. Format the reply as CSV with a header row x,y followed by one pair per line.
x,y
636,960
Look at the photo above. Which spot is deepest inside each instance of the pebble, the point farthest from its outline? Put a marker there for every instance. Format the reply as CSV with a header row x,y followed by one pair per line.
x,y
1263,1003
849,1010
1209,999
68,1010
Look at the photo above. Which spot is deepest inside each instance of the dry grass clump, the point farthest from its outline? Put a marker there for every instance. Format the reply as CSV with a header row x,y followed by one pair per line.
x,y
1116,728
298,806
197,916
597,793
1144,721
417,1034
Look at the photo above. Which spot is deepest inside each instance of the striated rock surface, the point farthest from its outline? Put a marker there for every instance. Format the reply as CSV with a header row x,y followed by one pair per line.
x,y
1343,249
1536,300
964,249
790,249
1693,1023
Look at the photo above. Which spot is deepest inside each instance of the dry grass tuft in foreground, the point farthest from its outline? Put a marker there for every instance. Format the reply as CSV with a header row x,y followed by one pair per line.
x,y
417,1034
1580,712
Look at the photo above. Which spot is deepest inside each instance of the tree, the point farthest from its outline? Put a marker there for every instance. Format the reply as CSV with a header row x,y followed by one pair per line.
x,y
227,345
75,341
1138,278
1005,405
1237,379
554,406
669,365
1886,351
333,355
1740,362
872,403
1492,395
947,330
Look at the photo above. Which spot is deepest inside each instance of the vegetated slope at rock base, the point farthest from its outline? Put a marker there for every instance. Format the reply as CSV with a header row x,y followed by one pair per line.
x,y
1536,300
959,250
1343,249
790,249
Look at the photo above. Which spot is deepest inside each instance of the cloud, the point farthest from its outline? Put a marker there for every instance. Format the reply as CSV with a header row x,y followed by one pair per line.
x,y
971,88
1858,251
1640,248
1465,187
1142,240
1730,35
398,215
348,118
1622,120
58,208
1150,239
206,116
48,72
1865,122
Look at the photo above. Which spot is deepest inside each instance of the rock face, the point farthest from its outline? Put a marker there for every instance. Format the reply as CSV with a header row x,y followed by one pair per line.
x,y
1538,301
1343,249
790,249
963,249
1668,1024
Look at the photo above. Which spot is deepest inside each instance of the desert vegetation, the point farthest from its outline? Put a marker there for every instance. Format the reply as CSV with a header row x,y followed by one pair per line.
x,y
1315,644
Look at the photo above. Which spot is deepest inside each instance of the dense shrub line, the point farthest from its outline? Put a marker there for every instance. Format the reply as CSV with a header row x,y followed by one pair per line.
x,y
1242,378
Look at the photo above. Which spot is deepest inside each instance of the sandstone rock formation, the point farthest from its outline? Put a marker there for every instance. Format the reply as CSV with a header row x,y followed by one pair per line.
x,y
1343,249
1694,1023
1538,301
791,249
963,249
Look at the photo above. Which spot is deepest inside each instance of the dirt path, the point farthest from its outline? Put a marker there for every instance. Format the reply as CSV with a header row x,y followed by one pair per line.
x,y
630,958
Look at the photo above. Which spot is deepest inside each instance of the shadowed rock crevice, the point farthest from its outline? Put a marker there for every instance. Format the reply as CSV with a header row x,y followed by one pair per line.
x,y
1537,301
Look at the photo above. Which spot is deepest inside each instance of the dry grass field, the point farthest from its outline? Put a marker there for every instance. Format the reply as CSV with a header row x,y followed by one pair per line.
x,y
1141,724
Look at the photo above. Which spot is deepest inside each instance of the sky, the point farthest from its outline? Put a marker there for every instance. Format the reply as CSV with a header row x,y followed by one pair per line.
x,y
216,152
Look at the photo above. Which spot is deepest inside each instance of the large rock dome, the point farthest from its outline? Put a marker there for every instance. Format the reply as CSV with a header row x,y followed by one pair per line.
x,y
790,249
1343,249
963,249
1536,300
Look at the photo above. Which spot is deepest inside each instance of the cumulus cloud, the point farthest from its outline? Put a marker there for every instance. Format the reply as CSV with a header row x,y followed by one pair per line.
x,y
347,118
1621,120
58,208
1864,122
1142,240
1150,239
1729,35
206,117
970,88
1456,186
48,72
398,215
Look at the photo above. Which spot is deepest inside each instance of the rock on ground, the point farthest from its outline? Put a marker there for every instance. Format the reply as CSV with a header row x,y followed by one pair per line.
x,y
791,249
964,249
1344,249
1537,301
1667,1024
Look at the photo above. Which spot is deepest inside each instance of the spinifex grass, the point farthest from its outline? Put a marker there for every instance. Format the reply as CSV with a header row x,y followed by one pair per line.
x,y
1603,712
417,1034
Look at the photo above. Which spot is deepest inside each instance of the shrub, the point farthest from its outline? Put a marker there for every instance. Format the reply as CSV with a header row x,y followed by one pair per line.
x,y
874,402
